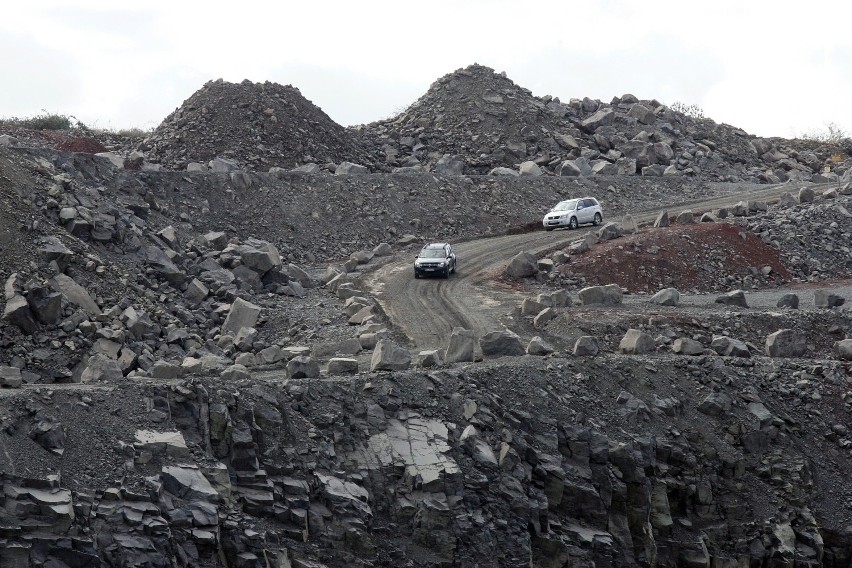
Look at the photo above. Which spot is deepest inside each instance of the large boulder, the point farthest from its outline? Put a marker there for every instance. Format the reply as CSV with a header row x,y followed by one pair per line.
x,y
388,356
586,346
10,377
729,347
449,165
666,297
609,295
501,343
462,347
786,343
17,312
843,348
242,314
100,368
348,168
636,342
826,299
522,265
733,298
302,367
609,231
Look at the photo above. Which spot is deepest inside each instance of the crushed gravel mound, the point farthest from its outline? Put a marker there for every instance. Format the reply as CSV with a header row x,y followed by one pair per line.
x,y
257,125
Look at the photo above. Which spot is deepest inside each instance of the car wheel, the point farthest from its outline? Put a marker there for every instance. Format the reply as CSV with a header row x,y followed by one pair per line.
x,y
416,274
598,219
572,224
548,228
447,271
454,267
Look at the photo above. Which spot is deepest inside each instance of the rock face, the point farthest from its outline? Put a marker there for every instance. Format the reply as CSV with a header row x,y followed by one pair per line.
x,y
226,415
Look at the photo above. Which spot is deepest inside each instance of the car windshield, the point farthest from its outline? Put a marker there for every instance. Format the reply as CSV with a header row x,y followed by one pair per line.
x,y
433,253
569,205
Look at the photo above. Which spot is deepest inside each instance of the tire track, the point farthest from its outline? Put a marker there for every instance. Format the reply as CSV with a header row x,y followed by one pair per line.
x,y
427,310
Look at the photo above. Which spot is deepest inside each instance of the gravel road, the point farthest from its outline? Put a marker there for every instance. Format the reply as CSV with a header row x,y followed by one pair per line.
x,y
427,310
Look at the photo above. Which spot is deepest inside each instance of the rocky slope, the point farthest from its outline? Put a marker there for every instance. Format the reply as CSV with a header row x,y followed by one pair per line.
x,y
192,373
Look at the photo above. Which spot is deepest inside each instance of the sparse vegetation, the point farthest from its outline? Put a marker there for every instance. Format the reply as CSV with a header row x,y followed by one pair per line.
x,y
690,110
46,121
832,133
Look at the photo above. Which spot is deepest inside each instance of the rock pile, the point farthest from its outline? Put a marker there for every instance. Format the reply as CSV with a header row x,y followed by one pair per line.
x,y
484,119
256,125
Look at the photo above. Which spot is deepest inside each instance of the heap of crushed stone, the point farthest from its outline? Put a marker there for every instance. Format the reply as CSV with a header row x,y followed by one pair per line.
x,y
490,122
256,125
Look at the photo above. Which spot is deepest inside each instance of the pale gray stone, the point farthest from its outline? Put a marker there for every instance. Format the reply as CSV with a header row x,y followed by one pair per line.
x,y
636,342
786,343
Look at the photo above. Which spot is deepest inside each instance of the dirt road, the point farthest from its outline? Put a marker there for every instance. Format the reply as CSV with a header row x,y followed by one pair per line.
x,y
427,310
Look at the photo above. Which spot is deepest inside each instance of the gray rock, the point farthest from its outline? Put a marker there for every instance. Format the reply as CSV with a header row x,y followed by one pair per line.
x,y
188,483
17,312
733,298
788,300
530,169
586,346
530,307
222,166
74,293
685,218
609,295
826,299
629,225
523,265
501,343
101,368
348,168
196,291
429,358
45,305
388,356
806,195
309,168
259,255
540,347
462,347
636,342
382,249
342,366
786,343
165,370
609,231
163,265
724,345
10,377
235,373
666,297
843,349
662,220
503,171
303,367
242,314
543,317
686,346
715,404
603,117
245,339
449,165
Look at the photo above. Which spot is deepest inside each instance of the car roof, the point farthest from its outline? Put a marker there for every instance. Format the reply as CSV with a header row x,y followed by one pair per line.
x,y
435,245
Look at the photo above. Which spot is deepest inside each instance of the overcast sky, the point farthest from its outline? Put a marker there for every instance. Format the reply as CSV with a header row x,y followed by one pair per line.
x,y
779,68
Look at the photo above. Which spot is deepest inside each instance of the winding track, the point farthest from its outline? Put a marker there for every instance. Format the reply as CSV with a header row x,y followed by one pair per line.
x,y
427,310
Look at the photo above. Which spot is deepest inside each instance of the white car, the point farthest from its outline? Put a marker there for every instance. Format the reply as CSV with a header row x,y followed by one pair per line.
x,y
572,213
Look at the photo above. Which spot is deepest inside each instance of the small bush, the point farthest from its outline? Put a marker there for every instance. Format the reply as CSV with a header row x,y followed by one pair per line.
x,y
692,111
831,134
46,121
